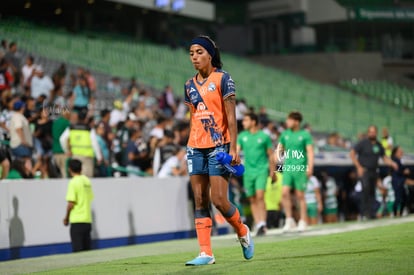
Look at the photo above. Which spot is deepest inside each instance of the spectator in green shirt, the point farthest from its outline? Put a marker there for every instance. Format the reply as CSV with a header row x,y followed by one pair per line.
x,y
20,169
58,127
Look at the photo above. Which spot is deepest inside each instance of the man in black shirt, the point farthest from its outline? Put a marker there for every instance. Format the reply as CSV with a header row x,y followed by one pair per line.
x,y
365,156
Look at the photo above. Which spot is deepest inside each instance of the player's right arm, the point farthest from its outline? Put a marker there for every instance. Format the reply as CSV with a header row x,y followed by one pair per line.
x,y
310,156
358,166
278,152
187,102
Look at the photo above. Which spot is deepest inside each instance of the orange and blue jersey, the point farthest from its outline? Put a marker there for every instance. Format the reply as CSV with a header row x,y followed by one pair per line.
x,y
209,125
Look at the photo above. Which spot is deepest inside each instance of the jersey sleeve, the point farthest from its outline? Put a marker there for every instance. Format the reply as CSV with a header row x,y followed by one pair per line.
x,y
282,139
186,97
228,88
357,147
308,139
71,193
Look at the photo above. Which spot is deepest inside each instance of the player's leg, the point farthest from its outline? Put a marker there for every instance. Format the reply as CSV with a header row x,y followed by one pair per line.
x,y
365,207
287,202
203,221
403,199
371,197
219,189
260,187
286,198
300,197
300,182
198,169
249,188
253,208
219,197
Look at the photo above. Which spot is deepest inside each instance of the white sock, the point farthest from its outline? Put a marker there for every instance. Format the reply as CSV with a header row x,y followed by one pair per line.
x,y
260,224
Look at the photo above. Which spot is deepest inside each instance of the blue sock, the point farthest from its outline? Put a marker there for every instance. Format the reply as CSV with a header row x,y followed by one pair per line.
x,y
202,213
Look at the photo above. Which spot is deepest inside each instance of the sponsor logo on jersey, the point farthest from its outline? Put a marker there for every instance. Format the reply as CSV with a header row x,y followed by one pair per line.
x,y
201,106
211,87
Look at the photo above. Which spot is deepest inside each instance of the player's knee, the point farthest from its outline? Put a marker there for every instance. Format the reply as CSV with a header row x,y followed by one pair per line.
x,y
259,196
252,199
201,200
300,195
220,202
286,194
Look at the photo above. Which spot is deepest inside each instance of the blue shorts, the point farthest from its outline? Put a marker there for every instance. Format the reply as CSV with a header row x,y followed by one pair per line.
x,y
22,151
203,161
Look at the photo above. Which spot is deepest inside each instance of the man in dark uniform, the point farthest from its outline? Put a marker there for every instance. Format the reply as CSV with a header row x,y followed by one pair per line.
x,y
365,156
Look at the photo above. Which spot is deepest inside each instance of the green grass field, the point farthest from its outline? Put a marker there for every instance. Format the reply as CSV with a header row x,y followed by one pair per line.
x,y
381,249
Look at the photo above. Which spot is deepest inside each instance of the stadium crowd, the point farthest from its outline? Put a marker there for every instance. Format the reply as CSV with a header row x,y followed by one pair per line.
x,y
46,120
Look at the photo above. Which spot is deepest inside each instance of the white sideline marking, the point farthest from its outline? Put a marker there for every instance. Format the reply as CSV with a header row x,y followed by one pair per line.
x,y
327,229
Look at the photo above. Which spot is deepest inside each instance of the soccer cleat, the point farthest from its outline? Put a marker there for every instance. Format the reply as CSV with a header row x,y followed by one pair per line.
x,y
202,259
261,231
247,245
290,224
302,226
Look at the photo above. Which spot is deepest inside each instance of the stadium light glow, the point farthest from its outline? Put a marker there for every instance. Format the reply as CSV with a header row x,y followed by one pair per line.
x,y
27,5
162,3
58,11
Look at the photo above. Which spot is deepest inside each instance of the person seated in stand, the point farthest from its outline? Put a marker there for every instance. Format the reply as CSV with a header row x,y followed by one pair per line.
x,y
174,166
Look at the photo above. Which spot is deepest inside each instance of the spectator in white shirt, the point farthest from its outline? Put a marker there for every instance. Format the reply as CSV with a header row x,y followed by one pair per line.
x,y
174,166
28,70
41,84
118,114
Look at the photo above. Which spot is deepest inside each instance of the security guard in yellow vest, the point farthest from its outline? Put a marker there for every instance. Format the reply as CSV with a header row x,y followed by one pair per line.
x,y
79,141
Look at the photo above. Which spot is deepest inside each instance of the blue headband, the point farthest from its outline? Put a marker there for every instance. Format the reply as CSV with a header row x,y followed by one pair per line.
x,y
206,44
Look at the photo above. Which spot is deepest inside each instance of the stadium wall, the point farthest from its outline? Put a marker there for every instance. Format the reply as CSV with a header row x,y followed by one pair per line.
x,y
327,67
125,211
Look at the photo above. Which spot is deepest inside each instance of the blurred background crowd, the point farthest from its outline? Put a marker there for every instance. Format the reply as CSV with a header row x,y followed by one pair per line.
x,y
122,128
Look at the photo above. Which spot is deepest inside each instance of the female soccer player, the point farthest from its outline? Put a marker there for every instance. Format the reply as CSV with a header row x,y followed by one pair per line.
x,y
210,95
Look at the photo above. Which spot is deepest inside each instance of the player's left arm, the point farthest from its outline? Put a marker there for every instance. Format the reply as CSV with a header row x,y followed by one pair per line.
x,y
230,106
272,164
310,155
272,161
228,92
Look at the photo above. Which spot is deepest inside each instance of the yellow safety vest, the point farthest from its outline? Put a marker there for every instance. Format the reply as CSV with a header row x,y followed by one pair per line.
x,y
80,141
273,194
384,143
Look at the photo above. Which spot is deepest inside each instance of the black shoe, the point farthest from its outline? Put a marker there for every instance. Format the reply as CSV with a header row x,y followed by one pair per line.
x,y
261,231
